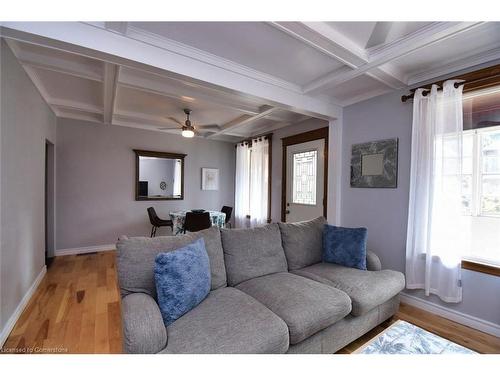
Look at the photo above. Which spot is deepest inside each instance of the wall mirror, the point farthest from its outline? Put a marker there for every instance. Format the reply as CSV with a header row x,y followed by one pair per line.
x,y
159,175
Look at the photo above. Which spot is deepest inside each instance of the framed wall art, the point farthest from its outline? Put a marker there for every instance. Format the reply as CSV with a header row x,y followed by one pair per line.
x,y
375,164
209,179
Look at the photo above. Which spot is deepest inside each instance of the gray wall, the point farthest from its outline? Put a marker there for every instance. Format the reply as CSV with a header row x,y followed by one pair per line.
x,y
384,211
302,127
26,123
96,176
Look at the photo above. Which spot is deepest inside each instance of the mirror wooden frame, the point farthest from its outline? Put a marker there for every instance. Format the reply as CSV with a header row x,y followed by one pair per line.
x,y
163,155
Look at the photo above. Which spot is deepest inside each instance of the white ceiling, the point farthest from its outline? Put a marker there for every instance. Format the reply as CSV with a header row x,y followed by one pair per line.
x,y
330,63
254,44
367,35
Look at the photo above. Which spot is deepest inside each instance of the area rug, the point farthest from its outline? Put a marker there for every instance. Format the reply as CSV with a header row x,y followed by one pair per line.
x,y
405,338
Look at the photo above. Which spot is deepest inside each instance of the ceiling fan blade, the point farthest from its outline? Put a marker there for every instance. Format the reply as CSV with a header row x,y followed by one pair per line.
x,y
175,120
208,126
169,128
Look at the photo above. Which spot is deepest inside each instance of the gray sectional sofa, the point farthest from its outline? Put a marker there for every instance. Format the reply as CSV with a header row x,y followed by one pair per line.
x,y
270,293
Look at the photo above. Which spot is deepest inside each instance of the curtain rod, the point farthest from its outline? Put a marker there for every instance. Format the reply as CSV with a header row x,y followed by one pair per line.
x,y
404,98
249,140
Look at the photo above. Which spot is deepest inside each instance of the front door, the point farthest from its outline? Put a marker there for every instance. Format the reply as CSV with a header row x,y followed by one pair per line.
x,y
305,174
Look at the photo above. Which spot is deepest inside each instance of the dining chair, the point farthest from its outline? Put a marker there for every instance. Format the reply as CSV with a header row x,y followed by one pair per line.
x,y
196,221
228,211
156,222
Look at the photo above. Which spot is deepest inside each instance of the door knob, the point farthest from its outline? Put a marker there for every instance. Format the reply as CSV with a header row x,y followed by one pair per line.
x,y
287,212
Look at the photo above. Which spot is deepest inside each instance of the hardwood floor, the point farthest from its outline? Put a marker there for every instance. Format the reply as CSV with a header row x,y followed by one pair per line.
x,y
76,309
458,333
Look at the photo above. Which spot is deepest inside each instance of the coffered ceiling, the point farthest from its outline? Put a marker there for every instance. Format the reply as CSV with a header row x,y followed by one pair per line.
x,y
245,77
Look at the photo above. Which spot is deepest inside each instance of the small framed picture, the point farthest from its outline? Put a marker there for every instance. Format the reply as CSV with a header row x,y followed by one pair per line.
x,y
209,179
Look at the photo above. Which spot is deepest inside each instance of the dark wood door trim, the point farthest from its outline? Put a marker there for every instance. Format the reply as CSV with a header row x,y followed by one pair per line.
x,y
321,133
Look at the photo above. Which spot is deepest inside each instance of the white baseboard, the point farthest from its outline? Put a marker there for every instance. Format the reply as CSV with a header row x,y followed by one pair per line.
x,y
84,250
20,307
456,316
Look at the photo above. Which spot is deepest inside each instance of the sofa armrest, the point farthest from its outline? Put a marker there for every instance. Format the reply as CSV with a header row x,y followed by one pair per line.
x,y
372,261
143,327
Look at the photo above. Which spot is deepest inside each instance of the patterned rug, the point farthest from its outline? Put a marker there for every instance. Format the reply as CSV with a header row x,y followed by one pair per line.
x,y
405,338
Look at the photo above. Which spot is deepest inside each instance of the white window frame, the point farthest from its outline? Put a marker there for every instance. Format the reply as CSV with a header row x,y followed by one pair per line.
x,y
477,173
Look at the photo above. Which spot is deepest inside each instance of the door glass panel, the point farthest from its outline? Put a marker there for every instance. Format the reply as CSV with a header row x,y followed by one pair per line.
x,y
304,177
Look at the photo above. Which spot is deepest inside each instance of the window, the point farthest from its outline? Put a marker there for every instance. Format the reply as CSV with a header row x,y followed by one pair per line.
x,y
481,175
481,172
304,177
252,185
489,143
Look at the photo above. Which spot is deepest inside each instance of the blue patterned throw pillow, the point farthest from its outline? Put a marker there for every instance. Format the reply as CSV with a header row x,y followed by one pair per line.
x,y
345,246
182,280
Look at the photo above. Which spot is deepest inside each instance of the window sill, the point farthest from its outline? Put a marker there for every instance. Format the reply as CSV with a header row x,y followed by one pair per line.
x,y
481,267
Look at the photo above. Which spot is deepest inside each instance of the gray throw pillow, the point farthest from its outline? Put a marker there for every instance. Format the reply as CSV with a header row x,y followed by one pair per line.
x,y
303,242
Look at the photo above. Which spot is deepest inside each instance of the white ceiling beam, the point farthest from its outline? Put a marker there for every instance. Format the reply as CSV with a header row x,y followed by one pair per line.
x,y
422,38
60,69
54,63
85,116
111,73
95,42
243,121
332,43
73,105
117,27
324,39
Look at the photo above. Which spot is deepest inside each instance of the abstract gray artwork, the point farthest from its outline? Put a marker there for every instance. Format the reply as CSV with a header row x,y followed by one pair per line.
x,y
375,164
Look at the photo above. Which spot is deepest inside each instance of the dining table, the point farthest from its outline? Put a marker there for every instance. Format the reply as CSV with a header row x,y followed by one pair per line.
x,y
218,218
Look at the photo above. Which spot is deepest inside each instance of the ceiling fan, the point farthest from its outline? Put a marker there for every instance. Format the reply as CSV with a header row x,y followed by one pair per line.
x,y
188,129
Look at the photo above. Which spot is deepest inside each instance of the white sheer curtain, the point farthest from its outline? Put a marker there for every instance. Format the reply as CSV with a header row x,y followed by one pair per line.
x,y
242,186
437,229
259,181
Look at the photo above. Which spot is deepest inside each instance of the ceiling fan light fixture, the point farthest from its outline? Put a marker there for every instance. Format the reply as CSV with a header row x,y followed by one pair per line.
x,y
187,133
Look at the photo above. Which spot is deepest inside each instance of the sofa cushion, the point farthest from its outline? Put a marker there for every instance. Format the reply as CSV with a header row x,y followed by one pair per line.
x,y
367,289
228,321
182,280
136,259
250,253
303,242
305,305
345,246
